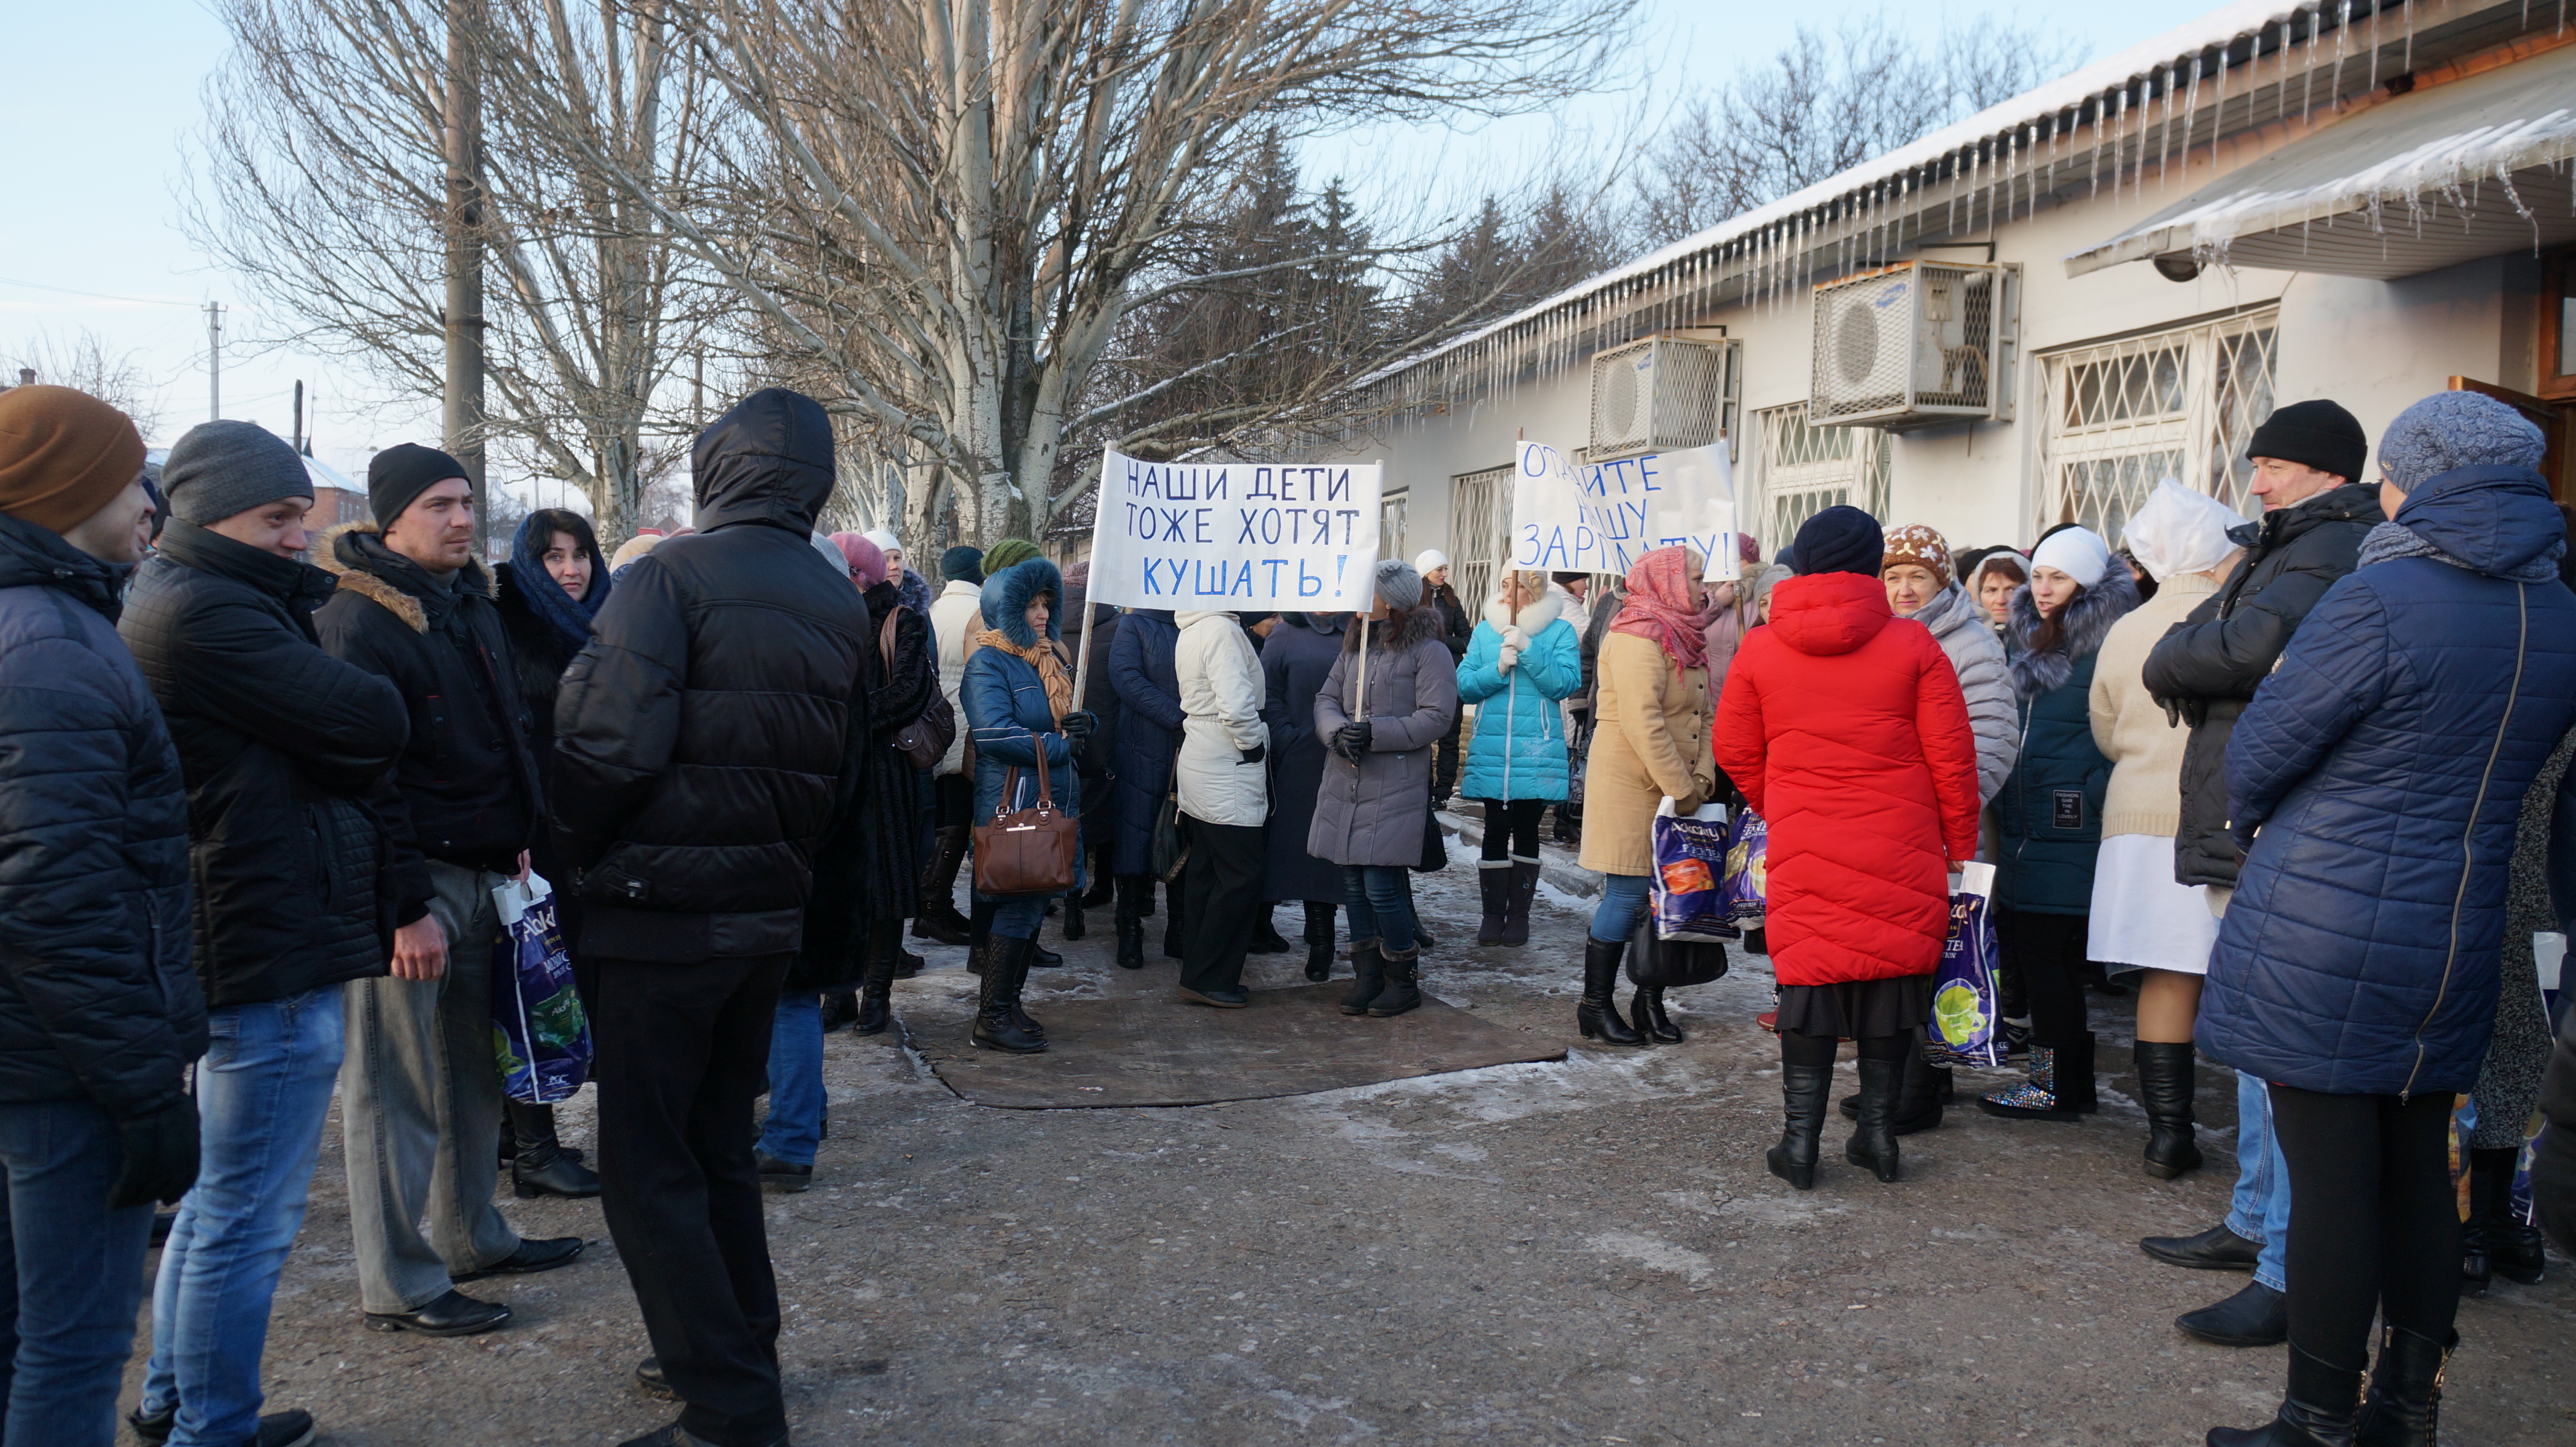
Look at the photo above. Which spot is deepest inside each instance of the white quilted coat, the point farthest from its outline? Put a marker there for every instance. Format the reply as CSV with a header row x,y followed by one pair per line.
x,y
1221,695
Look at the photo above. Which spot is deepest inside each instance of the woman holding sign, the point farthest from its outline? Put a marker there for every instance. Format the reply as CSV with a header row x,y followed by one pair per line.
x,y
1523,658
1849,736
1388,699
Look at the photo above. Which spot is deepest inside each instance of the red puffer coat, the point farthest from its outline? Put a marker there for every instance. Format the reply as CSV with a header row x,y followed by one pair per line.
x,y
1844,727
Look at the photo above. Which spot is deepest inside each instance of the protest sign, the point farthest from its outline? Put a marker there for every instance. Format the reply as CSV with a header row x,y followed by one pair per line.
x,y
1600,517
1235,535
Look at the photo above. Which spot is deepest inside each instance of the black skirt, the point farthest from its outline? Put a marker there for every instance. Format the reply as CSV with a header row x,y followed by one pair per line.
x,y
1857,1009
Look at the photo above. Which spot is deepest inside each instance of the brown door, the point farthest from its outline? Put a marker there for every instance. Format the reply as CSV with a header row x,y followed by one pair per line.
x,y
2556,420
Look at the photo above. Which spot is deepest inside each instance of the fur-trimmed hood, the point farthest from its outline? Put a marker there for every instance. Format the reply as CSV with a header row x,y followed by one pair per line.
x,y
1534,616
1398,632
355,554
1006,596
2088,621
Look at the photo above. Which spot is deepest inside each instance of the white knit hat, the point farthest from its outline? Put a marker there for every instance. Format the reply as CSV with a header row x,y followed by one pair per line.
x,y
884,540
2079,553
1428,559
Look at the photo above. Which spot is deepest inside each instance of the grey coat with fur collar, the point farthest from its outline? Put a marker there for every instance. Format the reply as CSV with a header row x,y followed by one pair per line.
x,y
1374,812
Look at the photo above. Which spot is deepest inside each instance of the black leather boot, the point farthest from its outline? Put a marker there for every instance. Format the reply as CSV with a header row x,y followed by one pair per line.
x,y
1368,977
1075,927
1516,902
2320,1409
1104,885
1265,935
2405,1401
1598,1016
996,1028
876,981
1920,1094
939,921
979,938
1042,957
2493,1242
1131,922
1874,1144
1803,1092
2076,1088
543,1167
2165,1082
1493,887
840,1009
1172,920
1319,941
1402,991
1646,1012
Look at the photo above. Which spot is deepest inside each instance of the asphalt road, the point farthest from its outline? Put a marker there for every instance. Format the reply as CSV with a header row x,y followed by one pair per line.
x,y
1586,1252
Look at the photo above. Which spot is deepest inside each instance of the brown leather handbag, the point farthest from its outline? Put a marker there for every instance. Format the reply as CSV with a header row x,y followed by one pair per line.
x,y
1027,851
925,740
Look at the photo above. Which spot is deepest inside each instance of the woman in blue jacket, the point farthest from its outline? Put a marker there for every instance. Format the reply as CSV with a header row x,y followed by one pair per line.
x,y
1523,658
2048,815
1018,697
2374,785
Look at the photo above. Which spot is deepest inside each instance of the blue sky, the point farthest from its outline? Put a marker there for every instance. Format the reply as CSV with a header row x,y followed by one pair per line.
x,y
104,95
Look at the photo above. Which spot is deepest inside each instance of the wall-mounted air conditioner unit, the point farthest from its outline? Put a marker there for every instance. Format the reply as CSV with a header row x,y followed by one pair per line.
x,y
1662,394
1918,344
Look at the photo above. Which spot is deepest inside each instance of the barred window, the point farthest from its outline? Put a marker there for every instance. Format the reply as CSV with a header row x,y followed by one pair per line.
x,y
1808,469
1390,525
1480,526
2182,404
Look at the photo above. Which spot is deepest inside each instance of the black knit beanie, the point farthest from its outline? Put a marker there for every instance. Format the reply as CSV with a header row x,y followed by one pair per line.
x,y
1840,539
403,472
2313,434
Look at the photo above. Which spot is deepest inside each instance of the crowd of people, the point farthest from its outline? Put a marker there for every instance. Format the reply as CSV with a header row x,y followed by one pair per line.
x,y
2298,782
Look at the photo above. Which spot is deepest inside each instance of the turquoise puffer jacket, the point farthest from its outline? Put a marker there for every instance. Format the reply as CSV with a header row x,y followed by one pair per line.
x,y
1518,751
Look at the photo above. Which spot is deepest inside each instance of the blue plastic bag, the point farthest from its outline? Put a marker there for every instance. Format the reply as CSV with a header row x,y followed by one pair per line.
x,y
1690,858
1966,1027
540,1037
1746,884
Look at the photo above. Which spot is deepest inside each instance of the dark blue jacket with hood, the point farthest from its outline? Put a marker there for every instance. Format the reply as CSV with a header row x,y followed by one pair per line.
x,y
1006,703
1144,671
2375,783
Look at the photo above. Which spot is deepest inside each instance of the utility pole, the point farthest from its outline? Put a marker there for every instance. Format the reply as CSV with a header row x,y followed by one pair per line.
x,y
462,141
214,361
297,441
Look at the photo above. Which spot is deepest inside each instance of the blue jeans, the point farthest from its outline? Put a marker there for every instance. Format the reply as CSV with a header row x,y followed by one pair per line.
x,y
262,1094
1018,916
1623,903
74,1277
1380,899
795,1124
2261,1208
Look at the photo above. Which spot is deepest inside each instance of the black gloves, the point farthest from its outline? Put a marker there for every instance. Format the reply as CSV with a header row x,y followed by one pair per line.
x,y
1352,740
160,1156
1078,724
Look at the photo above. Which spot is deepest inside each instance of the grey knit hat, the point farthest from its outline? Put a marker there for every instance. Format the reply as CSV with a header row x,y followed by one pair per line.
x,y
221,468
1398,583
2452,430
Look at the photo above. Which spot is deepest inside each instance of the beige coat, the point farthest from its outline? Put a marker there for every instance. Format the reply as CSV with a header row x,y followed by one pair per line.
x,y
1649,739
2130,728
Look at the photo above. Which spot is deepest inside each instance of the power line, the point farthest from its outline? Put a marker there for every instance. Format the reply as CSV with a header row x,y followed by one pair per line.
x,y
100,295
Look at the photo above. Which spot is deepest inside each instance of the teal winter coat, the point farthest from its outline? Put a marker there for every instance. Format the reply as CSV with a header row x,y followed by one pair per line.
x,y
1518,751
2048,815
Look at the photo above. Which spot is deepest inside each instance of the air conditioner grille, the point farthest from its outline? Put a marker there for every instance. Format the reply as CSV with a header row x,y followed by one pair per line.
x,y
1914,345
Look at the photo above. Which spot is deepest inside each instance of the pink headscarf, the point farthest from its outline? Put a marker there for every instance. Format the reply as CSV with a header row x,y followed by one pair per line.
x,y
1659,607
867,560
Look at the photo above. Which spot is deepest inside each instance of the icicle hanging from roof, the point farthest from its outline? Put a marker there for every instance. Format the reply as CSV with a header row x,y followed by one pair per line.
x,y
2308,76
2343,32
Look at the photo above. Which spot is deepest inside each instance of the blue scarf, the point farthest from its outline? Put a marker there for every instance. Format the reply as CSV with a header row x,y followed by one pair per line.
x,y
545,597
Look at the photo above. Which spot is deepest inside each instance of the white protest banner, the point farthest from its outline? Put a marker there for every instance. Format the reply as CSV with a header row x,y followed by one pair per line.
x,y
1235,535
1600,517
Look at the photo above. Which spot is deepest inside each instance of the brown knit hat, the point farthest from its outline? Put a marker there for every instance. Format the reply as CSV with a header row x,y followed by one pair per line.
x,y
1919,545
63,455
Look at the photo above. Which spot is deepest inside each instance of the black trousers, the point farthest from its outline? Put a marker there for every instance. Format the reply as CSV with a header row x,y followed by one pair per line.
x,y
1222,900
1444,761
2374,1228
2047,950
683,1050
1511,827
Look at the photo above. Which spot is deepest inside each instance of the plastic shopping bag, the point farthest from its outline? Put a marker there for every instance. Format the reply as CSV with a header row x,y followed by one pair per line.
x,y
540,1038
1746,883
1690,853
1967,1019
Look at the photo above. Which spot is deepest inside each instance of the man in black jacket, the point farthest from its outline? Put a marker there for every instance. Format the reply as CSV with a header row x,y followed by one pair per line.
x,y
2307,457
99,1015
698,743
421,1099
280,743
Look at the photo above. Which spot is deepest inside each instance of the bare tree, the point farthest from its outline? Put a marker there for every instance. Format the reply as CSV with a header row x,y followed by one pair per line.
x,y
324,182
948,211
1825,104
84,363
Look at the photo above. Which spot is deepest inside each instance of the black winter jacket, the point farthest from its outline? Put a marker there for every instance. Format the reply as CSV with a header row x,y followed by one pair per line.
x,y
96,998
699,737
465,790
2205,669
1456,628
868,868
538,657
281,744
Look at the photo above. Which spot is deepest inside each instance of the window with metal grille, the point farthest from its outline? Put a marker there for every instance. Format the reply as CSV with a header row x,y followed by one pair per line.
x,y
1390,526
1480,526
1808,469
2125,415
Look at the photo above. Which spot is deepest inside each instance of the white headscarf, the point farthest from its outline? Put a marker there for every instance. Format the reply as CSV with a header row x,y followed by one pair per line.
x,y
2178,530
2079,553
